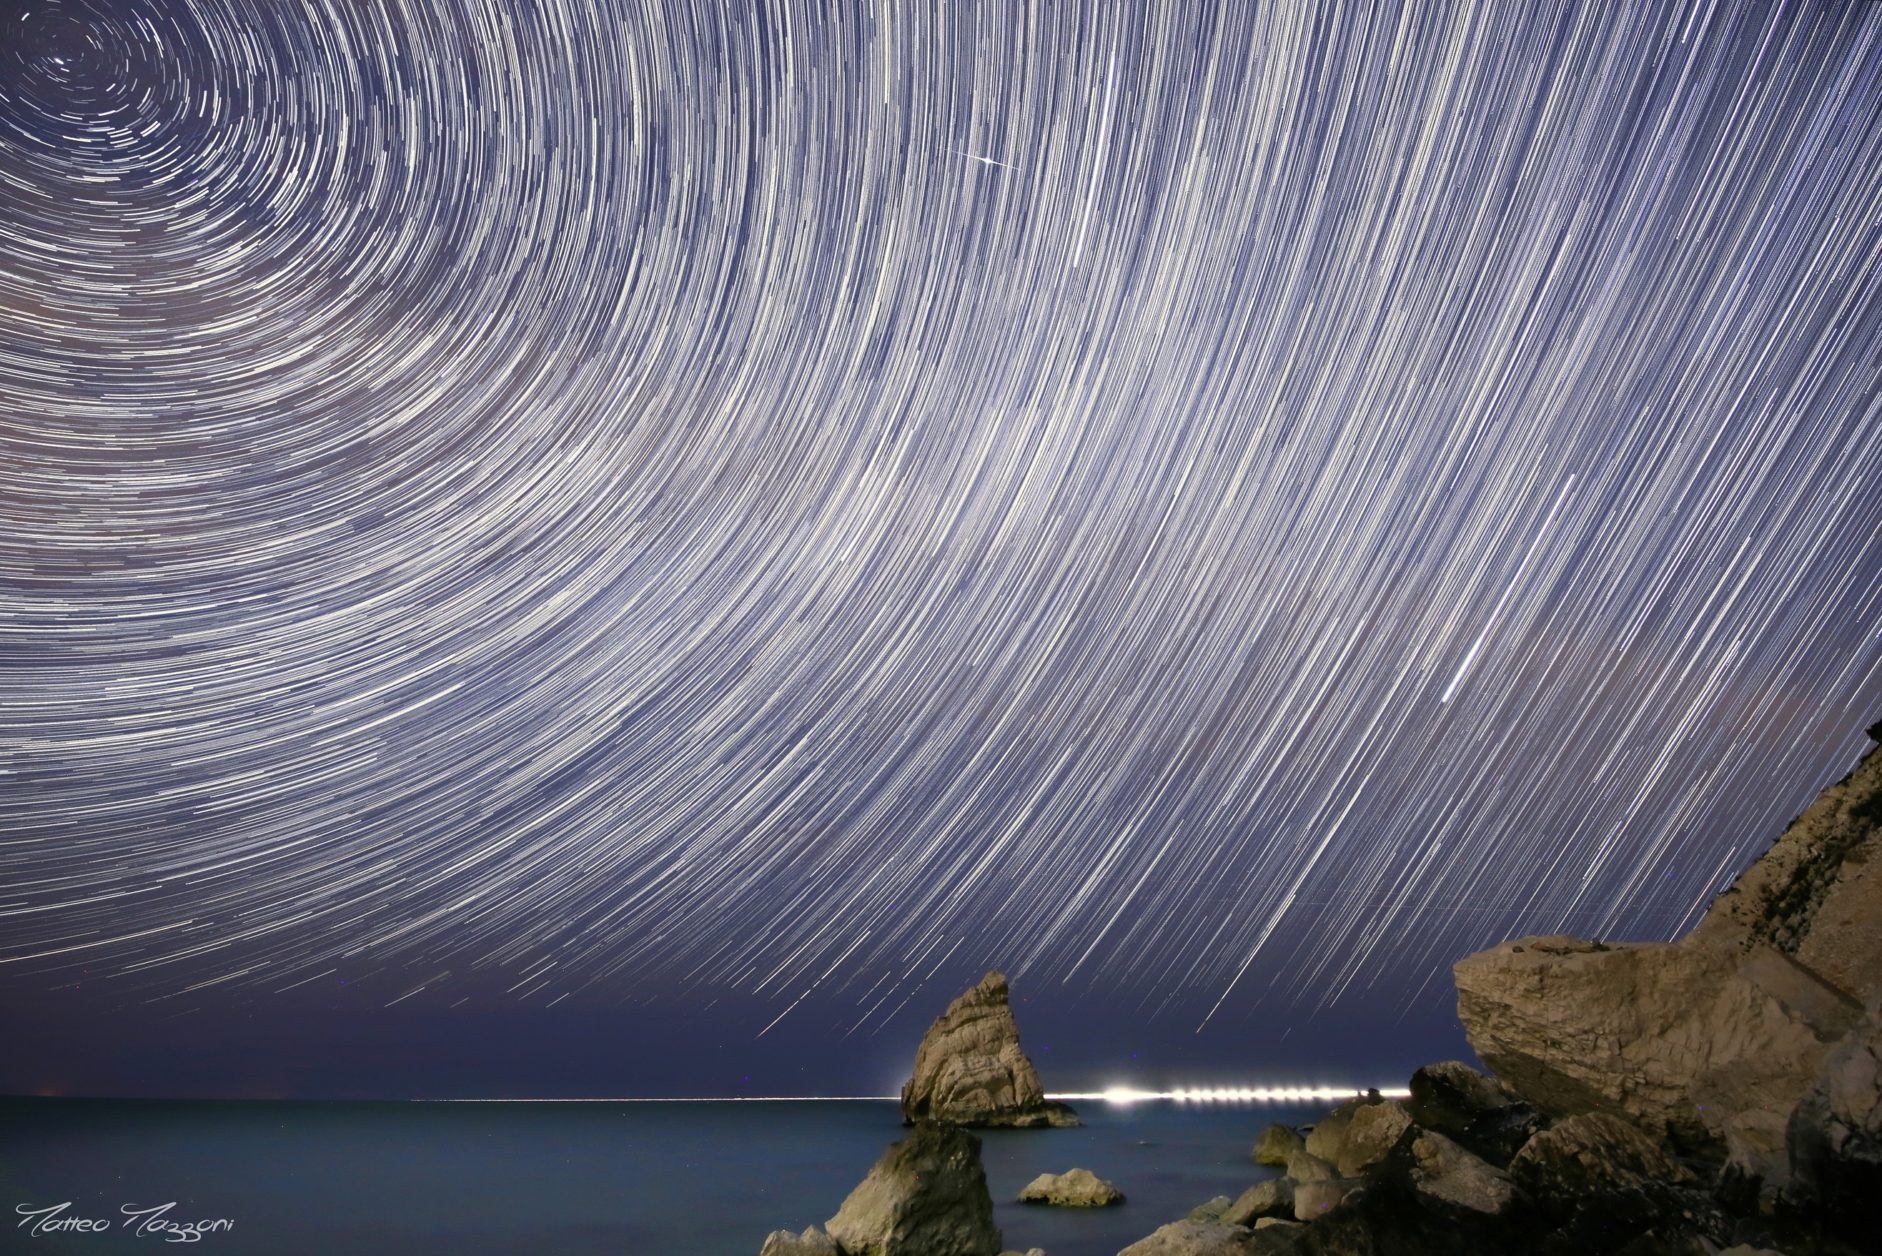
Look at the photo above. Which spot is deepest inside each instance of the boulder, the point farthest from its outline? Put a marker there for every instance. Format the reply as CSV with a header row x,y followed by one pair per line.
x,y
969,1068
1272,1198
1477,1112
1194,1238
812,1242
1276,1144
1370,1136
1075,1188
1304,1166
1448,1178
1713,1039
1835,1137
1594,1176
1328,1137
926,1196
1313,1200
1211,1211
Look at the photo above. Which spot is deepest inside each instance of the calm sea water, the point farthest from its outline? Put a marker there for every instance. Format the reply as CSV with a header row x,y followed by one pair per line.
x,y
568,1179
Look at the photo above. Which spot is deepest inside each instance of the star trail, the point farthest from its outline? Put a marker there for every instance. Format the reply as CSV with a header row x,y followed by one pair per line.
x,y
1211,508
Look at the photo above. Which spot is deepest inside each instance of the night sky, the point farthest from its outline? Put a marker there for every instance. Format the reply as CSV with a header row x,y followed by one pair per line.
x,y
610,547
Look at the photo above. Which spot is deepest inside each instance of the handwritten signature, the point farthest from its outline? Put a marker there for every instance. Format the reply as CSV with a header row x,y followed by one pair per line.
x,y
153,1221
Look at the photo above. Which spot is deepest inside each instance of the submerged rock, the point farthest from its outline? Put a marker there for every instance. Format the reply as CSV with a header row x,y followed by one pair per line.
x,y
1075,1188
926,1196
969,1069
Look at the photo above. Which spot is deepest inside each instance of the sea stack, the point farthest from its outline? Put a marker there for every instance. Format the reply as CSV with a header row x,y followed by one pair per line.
x,y
969,1069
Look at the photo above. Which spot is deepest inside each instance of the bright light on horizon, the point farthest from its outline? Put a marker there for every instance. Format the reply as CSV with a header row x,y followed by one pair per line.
x,y
1236,1094
1112,1094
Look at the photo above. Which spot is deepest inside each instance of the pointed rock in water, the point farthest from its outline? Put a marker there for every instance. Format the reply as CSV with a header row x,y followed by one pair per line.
x,y
969,1069
1075,1188
1714,1039
926,1196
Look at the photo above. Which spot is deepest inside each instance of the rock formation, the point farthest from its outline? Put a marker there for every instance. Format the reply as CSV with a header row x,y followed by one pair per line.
x,y
1193,1238
926,1196
969,1069
1075,1188
1717,1095
1714,1039
1276,1144
1835,1135
812,1242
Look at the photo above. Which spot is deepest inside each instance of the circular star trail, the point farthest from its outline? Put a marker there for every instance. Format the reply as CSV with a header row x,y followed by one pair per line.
x,y
1226,506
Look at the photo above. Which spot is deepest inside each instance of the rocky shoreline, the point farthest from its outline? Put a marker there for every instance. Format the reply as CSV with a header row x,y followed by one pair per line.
x,y
1720,1095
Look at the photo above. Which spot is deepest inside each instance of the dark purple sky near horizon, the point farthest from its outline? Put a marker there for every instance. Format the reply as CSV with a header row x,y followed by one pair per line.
x,y
627,547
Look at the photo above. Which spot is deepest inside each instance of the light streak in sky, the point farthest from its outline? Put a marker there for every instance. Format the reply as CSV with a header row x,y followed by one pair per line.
x,y
586,503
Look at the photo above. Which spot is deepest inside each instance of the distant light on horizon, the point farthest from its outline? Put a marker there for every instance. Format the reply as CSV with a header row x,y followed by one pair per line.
x,y
1122,1095
1234,1094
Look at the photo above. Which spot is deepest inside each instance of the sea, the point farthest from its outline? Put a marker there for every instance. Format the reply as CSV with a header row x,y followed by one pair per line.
x,y
587,1178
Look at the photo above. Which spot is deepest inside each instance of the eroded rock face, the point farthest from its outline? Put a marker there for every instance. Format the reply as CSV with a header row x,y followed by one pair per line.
x,y
1075,1188
1716,1037
926,1196
969,1069
1835,1136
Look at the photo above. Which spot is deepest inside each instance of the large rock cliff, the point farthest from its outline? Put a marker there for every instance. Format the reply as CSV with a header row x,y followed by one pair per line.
x,y
969,1069
1712,1040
